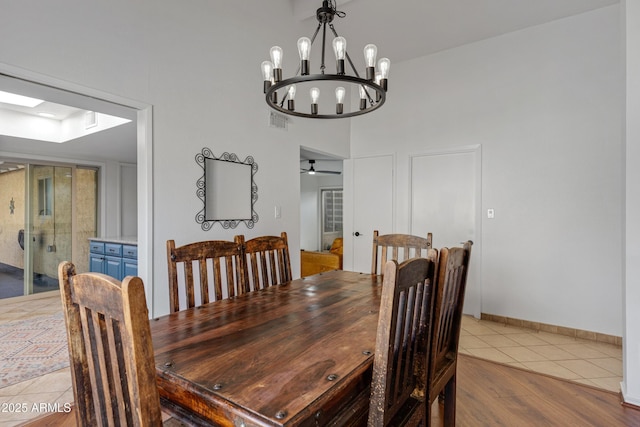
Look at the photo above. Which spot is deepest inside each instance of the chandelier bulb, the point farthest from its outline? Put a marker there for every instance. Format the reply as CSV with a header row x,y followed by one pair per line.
x,y
363,97
291,94
304,50
276,58
340,49
383,66
315,95
370,53
267,74
378,81
340,92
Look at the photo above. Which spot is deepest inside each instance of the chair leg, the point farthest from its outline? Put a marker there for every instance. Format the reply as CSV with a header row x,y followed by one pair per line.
x,y
450,403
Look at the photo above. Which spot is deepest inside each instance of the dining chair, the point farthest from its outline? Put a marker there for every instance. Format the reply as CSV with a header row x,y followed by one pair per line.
x,y
110,350
399,247
451,280
399,365
204,271
267,261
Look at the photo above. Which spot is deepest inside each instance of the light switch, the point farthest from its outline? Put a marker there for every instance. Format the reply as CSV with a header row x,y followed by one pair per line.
x,y
491,213
277,212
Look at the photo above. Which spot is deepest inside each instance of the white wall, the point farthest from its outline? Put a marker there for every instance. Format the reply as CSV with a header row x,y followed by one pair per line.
x,y
631,291
544,103
197,64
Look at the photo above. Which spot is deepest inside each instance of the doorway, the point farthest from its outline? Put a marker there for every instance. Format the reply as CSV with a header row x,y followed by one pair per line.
x,y
98,155
321,215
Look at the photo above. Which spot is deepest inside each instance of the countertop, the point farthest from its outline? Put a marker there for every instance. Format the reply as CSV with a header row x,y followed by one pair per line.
x,y
126,240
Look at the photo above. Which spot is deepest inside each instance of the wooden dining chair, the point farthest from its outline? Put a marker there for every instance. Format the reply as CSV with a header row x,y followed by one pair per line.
x,y
399,365
267,261
111,354
398,247
451,280
204,271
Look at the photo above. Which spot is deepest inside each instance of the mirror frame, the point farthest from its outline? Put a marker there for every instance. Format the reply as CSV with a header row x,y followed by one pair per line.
x,y
201,190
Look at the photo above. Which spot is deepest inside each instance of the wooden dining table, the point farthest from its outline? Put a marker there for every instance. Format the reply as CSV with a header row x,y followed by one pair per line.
x,y
296,354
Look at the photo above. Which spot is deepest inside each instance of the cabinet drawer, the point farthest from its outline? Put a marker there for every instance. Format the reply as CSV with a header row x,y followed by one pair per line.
x,y
129,251
96,247
113,249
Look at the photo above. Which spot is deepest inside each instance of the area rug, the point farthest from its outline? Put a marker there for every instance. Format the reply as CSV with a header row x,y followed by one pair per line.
x,y
31,348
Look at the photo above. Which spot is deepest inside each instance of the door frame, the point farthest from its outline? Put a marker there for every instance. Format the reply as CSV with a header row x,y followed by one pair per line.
x,y
144,148
476,251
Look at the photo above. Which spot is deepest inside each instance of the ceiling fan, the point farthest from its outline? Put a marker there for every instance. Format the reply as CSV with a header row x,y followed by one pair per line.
x,y
313,171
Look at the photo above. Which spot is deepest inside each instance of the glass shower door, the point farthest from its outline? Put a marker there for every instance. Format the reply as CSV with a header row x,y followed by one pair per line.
x,y
49,234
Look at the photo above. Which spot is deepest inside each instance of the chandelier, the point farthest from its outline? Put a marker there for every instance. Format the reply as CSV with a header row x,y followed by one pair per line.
x,y
372,88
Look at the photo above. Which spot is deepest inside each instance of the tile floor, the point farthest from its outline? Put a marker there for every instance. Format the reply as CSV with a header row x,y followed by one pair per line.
x,y
584,361
588,362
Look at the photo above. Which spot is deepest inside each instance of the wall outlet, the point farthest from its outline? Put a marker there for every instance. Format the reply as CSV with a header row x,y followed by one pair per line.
x,y
277,212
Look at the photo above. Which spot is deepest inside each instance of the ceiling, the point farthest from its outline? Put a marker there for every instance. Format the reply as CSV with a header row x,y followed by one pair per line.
x,y
117,144
409,29
402,30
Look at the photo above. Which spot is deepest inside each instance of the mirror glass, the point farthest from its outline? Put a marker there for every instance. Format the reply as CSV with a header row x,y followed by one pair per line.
x,y
227,190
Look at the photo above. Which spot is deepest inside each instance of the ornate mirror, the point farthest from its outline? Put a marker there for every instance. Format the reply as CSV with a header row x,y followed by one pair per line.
x,y
227,190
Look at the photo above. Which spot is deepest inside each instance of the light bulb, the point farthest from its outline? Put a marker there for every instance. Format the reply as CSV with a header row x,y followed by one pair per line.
x,y
363,92
370,53
267,70
340,95
304,48
383,67
291,94
276,56
315,94
363,97
339,100
340,47
267,74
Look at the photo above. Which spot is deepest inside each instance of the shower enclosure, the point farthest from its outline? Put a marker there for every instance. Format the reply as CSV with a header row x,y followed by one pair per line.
x,y
59,211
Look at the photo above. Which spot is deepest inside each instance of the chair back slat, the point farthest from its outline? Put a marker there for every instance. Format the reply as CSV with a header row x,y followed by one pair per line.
x,y
399,367
110,349
398,247
268,258
215,268
453,268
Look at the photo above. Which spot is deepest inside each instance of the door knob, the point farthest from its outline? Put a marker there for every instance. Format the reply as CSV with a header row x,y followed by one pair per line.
x,y
357,233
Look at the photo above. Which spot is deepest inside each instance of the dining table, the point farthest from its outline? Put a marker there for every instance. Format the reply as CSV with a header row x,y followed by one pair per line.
x,y
295,354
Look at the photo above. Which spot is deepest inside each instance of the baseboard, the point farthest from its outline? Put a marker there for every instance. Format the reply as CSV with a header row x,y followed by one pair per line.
x,y
561,330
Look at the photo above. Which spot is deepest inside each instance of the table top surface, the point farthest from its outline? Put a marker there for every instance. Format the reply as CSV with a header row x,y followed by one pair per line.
x,y
270,357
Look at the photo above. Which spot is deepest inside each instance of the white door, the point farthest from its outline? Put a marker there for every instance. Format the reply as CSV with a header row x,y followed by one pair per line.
x,y
372,206
445,200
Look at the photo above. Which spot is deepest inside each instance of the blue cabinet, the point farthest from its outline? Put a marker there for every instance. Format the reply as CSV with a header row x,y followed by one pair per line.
x,y
113,259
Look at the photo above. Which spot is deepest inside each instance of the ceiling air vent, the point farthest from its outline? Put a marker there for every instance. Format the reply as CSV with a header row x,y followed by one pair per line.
x,y
277,120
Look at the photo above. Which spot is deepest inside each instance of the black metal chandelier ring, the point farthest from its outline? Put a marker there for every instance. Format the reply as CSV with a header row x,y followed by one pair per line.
x,y
380,94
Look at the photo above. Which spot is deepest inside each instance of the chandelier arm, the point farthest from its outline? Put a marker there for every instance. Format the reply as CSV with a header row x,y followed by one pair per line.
x,y
324,39
313,37
353,68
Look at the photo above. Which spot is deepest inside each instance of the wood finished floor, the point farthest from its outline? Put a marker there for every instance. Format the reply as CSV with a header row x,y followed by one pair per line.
x,y
506,393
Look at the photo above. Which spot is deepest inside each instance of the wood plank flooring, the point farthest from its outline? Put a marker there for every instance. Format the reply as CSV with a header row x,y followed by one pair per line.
x,y
493,394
